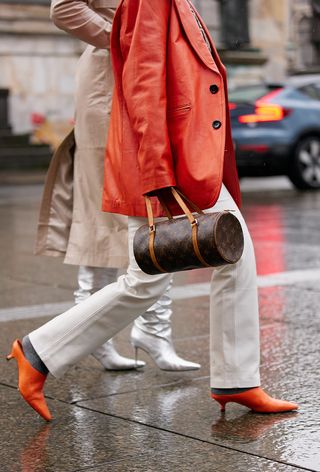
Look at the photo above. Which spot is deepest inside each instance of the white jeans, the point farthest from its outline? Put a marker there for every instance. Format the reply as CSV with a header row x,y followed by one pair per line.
x,y
234,323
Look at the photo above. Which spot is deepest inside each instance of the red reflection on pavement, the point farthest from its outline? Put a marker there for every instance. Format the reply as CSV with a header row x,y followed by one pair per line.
x,y
266,228
267,231
34,455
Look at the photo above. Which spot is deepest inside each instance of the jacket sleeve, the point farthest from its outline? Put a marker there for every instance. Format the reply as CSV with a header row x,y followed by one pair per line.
x,y
143,42
76,18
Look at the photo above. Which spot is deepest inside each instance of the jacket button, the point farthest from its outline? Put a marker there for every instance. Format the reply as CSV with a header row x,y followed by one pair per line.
x,y
214,88
216,124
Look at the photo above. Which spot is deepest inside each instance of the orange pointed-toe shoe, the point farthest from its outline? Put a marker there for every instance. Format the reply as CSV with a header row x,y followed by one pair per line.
x,y
257,400
30,382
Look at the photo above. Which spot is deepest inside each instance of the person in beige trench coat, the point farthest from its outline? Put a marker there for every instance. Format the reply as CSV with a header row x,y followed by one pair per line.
x,y
71,222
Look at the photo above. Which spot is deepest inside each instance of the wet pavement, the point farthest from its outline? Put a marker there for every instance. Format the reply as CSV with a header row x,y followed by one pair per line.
x,y
153,420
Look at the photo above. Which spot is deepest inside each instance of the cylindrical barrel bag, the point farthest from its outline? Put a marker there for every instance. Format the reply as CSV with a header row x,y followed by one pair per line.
x,y
187,242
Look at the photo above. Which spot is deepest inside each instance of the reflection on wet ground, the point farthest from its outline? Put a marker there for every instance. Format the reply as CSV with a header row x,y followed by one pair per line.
x,y
153,420
245,428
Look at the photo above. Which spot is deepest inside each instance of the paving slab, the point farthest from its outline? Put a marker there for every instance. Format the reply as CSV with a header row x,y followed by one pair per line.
x,y
291,438
202,459
80,439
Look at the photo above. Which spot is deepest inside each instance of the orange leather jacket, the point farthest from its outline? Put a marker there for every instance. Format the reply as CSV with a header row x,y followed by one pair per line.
x,y
170,121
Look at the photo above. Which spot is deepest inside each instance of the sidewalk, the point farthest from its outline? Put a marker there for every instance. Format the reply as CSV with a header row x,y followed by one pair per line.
x,y
153,420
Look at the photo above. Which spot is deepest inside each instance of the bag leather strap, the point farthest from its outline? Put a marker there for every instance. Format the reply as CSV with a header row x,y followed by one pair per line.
x,y
192,205
193,221
196,245
152,234
179,197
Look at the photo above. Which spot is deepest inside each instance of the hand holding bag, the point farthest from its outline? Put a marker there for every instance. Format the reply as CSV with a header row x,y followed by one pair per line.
x,y
188,242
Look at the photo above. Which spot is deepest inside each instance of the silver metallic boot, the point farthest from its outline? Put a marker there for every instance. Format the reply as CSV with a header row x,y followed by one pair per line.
x,y
152,333
90,280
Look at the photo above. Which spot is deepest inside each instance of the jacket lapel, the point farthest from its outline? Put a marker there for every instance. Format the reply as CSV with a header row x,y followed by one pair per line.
x,y
194,34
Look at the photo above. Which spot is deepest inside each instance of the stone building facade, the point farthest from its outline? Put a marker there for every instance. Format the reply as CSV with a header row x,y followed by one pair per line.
x,y
37,61
37,64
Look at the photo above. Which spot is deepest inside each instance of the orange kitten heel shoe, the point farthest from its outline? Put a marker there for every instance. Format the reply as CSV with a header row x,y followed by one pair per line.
x,y
30,382
257,400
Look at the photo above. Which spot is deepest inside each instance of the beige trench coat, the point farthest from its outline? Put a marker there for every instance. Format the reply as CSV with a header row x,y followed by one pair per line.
x,y
71,222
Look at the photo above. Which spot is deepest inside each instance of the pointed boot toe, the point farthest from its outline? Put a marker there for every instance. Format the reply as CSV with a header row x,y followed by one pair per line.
x,y
30,382
161,350
176,363
110,359
257,400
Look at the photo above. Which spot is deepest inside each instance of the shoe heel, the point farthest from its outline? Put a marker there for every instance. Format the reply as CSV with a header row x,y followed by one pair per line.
x,y
13,352
11,355
136,355
221,401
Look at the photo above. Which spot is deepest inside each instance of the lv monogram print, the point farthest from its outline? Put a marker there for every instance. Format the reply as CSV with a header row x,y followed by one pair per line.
x,y
220,241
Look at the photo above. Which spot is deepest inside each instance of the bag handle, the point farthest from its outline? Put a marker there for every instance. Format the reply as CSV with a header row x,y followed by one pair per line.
x,y
179,197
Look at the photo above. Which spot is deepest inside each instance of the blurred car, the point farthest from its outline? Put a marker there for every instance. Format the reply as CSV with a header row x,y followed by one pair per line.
x,y
276,130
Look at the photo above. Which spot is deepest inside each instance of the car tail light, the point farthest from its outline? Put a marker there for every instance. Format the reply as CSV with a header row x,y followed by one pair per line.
x,y
232,106
265,112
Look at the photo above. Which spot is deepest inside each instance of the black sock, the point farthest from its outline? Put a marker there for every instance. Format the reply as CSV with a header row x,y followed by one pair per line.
x,y
32,356
229,391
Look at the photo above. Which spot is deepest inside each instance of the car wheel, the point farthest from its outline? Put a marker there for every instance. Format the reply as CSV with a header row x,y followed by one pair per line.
x,y
305,170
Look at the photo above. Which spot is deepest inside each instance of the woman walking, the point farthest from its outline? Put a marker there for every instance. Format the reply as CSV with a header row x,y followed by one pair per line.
x,y
170,127
71,221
